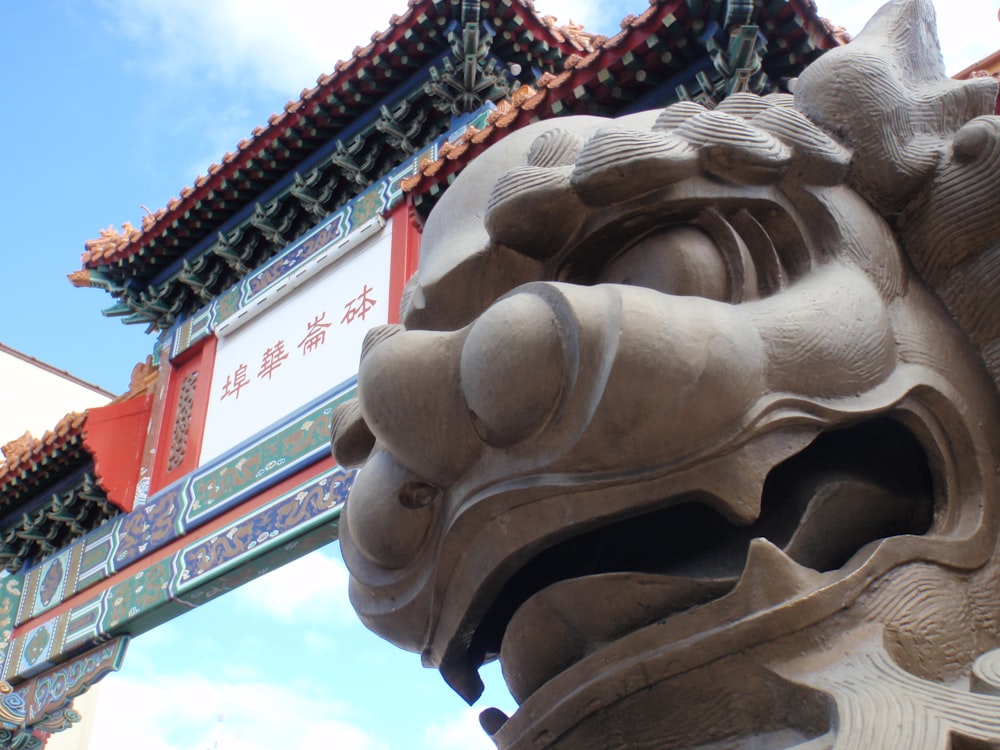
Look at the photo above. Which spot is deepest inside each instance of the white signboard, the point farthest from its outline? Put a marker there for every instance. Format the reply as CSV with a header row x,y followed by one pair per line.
x,y
298,349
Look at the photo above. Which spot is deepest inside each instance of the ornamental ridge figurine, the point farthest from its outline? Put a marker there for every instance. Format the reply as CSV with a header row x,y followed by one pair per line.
x,y
693,420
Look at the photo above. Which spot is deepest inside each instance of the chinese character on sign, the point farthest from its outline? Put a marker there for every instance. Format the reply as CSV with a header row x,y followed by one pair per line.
x,y
272,360
315,334
358,307
235,383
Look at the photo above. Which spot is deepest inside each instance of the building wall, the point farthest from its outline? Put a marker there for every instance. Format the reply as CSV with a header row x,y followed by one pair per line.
x,y
36,396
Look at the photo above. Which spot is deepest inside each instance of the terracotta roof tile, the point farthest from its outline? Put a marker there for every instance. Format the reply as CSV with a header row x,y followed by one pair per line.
x,y
141,382
503,108
534,101
409,183
839,32
521,95
554,87
17,449
22,455
431,168
110,241
484,134
507,119
151,217
80,278
506,112
990,65
458,150
571,34
25,452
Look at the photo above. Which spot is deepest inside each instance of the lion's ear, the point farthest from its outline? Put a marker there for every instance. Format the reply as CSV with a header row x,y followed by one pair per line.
x,y
885,95
908,31
951,231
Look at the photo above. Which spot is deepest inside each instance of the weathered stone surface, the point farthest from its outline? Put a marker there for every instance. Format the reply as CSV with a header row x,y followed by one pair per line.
x,y
691,420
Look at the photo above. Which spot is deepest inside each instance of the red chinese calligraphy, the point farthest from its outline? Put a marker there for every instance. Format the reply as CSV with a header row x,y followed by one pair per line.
x,y
272,359
235,383
358,307
315,334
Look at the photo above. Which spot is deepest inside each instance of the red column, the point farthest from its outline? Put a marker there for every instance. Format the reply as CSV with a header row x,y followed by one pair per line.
x,y
196,361
405,253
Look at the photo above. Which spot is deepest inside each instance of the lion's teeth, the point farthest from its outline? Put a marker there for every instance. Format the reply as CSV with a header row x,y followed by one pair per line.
x,y
771,577
566,621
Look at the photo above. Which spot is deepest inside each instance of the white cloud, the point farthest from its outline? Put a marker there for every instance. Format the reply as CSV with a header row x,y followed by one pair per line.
x,y
598,17
209,71
283,47
967,30
336,734
279,46
312,589
182,712
458,732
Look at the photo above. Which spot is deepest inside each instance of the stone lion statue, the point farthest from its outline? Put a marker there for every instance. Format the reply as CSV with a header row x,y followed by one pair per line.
x,y
693,420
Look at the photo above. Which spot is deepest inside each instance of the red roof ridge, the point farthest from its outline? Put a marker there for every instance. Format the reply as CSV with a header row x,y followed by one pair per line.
x,y
837,31
113,245
525,97
110,242
988,66
572,32
22,453
80,279
17,448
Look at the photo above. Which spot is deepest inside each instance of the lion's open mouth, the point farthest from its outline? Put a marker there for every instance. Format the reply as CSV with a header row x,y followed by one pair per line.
x,y
850,487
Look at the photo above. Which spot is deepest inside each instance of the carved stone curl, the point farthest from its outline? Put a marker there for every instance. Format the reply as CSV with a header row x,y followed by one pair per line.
x,y
674,429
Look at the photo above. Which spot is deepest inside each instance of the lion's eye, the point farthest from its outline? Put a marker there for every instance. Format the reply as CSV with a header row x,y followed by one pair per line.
x,y
681,260
730,253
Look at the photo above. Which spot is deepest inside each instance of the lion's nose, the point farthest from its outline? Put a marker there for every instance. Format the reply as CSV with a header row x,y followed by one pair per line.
x,y
351,440
388,516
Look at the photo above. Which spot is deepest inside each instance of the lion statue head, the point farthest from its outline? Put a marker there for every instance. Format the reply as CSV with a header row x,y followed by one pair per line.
x,y
693,421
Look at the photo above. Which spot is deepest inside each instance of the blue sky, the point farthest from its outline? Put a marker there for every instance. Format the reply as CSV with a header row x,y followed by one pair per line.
x,y
111,105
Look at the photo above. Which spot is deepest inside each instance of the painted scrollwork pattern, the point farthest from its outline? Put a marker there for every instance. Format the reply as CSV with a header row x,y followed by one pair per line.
x,y
267,527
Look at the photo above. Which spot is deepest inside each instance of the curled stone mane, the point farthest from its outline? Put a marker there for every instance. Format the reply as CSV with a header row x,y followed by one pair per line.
x,y
926,155
748,139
